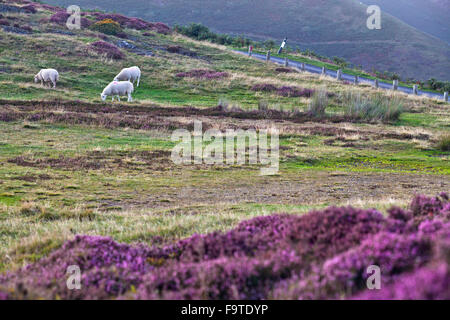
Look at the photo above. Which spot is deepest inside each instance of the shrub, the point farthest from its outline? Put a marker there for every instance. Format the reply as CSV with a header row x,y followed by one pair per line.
x,y
318,104
428,283
202,74
30,8
107,49
443,143
61,18
200,32
323,254
264,87
294,92
107,26
133,23
372,109
283,70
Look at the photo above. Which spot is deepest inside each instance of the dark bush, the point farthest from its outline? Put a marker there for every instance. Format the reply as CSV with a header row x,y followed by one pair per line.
x,y
264,87
30,8
202,74
107,49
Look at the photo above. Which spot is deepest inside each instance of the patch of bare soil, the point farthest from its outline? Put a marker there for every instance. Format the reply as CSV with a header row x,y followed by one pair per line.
x,y
66,163
307,189
32,177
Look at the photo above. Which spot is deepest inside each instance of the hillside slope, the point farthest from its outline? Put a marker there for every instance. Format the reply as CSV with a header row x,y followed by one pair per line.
x,y
332,28
431,16
72,165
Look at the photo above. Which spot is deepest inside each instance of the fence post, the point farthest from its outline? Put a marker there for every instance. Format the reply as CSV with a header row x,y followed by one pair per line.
x,y
446,96
395,85
268,56
356,79
339,75
377,84
286,62
416,89
303,66
324,71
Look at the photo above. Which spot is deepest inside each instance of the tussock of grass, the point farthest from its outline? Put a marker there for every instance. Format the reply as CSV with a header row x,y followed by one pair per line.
x,y
378,108
318,104
443,143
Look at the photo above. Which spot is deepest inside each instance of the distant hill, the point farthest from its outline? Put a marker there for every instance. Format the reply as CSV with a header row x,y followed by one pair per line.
x,y
331,28
431,16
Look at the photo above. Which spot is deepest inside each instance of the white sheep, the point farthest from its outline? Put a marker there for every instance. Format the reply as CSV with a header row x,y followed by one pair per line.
x,y
118,89
47,75
129,74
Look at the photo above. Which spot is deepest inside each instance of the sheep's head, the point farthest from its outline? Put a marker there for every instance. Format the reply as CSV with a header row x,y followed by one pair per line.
x,y
36,78
103,96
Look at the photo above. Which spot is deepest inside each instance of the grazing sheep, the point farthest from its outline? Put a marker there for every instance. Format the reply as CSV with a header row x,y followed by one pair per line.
x,y
118,89
47,75
129,74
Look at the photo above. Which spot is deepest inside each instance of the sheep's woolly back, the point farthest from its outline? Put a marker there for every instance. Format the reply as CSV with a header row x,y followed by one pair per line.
x,y
48,75
130,74
121,88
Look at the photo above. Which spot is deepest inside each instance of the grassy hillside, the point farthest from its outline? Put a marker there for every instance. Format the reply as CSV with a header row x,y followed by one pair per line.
x,y
430,16
332,28
71,164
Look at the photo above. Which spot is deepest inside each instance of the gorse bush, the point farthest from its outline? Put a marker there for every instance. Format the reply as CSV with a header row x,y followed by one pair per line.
x,y
132,23
324,254
107,26
372,109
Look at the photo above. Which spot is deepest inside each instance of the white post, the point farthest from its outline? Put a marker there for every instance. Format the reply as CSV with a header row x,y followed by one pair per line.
x,y
395,85
286,62
324,71
446,96
268,56
416,89
339,75
303,66
377,84
356,79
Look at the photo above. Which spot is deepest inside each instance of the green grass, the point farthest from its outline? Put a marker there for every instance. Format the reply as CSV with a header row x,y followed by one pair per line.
x,y
134,199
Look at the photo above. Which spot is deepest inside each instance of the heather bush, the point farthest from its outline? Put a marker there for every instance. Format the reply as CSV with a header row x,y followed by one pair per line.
x,y
132,23
294,92
346,273
107,49
428,283
29,8
264,87
61,17
323,254
4,22
202,74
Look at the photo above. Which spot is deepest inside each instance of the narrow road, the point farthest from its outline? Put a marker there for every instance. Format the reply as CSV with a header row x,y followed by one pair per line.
x,y
346,77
